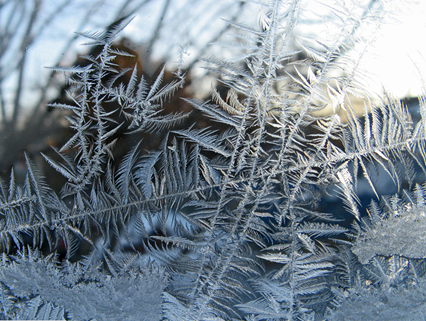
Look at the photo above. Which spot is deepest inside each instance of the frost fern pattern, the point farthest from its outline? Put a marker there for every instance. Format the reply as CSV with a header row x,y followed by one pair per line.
x,y
227,220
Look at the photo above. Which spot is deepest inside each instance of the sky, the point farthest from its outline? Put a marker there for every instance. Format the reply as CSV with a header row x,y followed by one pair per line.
x,y
399,51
